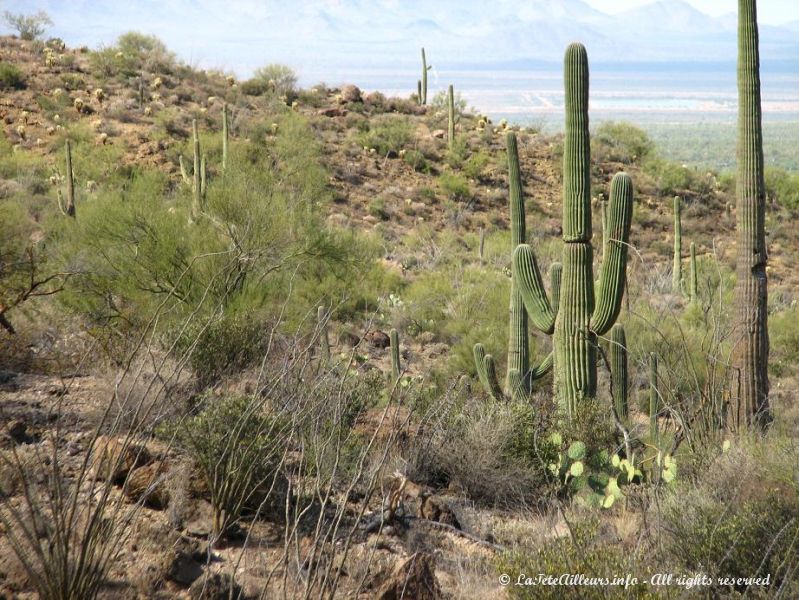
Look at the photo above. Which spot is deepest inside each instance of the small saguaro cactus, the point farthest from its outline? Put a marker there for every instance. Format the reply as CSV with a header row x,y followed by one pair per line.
x,y
693,287
618,370
196,183
419,92
518,343
425,69
580,317
481,246
203,178
184,175
69,207
654,399
395,355
225,135
451,117
676,270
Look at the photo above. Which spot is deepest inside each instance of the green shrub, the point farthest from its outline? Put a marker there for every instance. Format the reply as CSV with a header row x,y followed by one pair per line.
x,y
10,77
621,142
417,161
588,550
29,27
476,164
387,134
133,53
236,445
455,186
279,78
782,187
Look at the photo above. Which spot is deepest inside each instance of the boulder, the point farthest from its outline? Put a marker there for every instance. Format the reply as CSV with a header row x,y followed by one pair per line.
x,y
351,93
113,458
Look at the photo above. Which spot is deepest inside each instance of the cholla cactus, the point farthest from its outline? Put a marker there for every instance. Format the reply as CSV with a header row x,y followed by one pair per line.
x,y
21,131
78,104
99,94
231,81
156,83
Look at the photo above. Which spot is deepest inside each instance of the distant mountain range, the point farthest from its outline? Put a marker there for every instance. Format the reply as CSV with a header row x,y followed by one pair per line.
x,y
339,36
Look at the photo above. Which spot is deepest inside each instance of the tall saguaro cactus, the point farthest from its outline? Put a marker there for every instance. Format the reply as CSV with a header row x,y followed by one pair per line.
x,y
749,386
676,270
580,317
423,90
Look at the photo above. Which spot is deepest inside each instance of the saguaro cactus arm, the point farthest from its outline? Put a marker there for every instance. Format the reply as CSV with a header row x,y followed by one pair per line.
x,y
527,276
486,372
618,370
614,266
555,277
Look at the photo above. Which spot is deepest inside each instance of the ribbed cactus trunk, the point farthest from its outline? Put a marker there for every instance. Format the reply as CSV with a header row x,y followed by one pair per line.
x,y
395,355
654,398
676,270
518,342
577,319
196,183
69,207
693,277
451,117
423,95
618,370
575,343
225,136
749,388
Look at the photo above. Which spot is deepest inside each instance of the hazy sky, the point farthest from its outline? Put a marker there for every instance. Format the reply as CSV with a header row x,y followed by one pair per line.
x,y
773,12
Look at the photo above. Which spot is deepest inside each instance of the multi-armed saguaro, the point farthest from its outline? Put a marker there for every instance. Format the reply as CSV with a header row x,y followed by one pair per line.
x,y
580,318
749,386
519,376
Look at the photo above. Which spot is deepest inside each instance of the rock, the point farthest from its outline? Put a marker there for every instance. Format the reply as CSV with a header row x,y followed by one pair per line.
x,y
18,431
148,483
438,133
377,339
217,586
113,459
351,93
184,564
333,111
347,337
415,578
434,508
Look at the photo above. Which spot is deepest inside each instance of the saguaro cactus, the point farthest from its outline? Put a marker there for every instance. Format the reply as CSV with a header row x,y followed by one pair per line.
x,y
425,69
395,354
519,376
225,135
451,117
579,318
196,182
654,399
749,387
618,370
676,270
69,206
693,277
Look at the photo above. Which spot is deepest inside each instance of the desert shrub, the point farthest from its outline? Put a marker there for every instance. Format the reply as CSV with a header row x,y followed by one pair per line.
x,y
784,338
590,549
278,79
377,208
29,27
496,453
621,142
476,164
11,77
782,187
133,53
455,186
417,161
739,516
236,444
457,153
387,134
